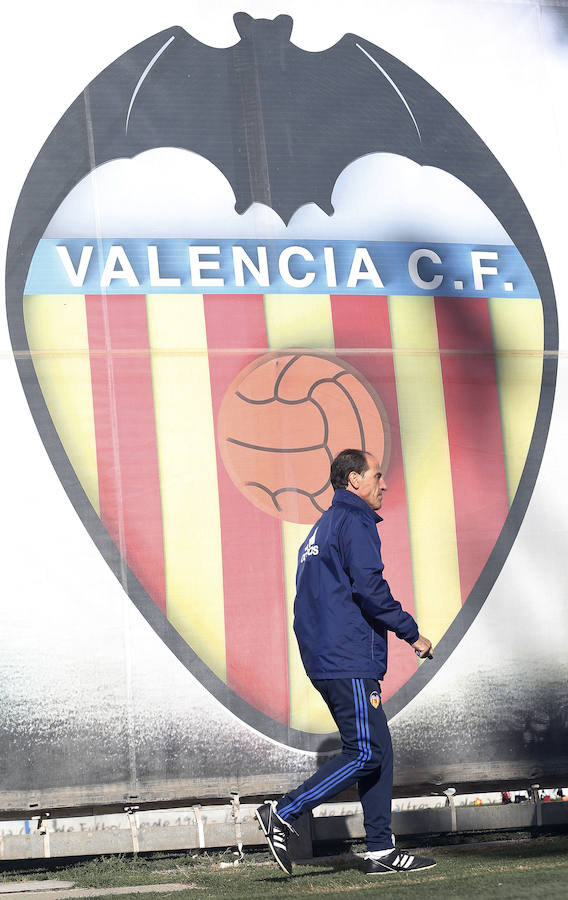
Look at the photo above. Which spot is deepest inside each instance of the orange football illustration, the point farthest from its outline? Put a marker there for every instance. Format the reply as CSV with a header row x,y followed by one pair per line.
x,y
284,418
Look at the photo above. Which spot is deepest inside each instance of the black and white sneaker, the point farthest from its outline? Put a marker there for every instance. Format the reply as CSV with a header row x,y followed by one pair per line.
x,y
397,861
277,832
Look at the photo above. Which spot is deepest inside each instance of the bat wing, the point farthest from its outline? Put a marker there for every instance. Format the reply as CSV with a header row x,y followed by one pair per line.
x,y
96,129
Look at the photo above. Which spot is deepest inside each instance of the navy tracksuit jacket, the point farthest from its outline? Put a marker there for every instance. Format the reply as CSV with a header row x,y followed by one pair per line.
x,y
343,611
344,606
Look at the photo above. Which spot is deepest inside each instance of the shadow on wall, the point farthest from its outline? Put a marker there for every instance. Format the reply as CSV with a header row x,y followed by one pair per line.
x,y
301,846
557,19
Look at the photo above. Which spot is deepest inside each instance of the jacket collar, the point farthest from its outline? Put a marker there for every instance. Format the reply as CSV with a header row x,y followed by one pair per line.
x,y
348,498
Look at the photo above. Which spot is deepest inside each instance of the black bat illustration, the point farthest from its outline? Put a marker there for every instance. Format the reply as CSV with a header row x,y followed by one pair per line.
x,y
281,124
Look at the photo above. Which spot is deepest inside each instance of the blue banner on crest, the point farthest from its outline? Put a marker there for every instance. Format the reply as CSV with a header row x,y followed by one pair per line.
x,y
173,265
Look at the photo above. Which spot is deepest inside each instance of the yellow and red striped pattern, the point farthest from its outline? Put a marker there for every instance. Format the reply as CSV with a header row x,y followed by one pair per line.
x,y
134,383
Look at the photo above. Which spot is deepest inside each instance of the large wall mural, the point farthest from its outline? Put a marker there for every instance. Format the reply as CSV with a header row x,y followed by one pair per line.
x,y
225,266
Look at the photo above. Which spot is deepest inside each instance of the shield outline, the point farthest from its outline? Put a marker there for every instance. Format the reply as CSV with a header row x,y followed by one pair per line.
x,y
26,232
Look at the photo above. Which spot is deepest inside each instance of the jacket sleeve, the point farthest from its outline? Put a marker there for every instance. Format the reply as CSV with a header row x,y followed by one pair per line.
x,y
362,560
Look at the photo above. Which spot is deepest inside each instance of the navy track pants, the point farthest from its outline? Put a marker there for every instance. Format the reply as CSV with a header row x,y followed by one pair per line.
x,y
366,758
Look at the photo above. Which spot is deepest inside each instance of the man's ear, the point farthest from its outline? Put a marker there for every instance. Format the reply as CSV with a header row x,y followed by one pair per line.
x,y
354,480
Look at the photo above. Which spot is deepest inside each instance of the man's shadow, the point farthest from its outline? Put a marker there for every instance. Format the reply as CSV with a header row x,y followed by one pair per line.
x,y
330,832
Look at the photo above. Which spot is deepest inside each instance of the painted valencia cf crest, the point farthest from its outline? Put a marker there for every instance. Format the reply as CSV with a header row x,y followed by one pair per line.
x,y
193,368
375,699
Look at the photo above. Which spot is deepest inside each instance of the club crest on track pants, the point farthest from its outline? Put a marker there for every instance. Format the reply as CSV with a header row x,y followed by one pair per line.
x,y
366,758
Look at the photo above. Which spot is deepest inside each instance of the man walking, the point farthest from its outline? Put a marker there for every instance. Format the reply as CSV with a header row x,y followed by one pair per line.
x,y
343,611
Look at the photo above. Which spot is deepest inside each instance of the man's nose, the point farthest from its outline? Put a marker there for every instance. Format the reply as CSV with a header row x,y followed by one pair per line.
x,y
383,485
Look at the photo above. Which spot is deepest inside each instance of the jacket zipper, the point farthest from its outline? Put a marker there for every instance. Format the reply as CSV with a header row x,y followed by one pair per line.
x,y
372,644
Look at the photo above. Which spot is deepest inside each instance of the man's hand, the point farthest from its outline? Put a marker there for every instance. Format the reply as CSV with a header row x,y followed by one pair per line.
x,y
423,647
